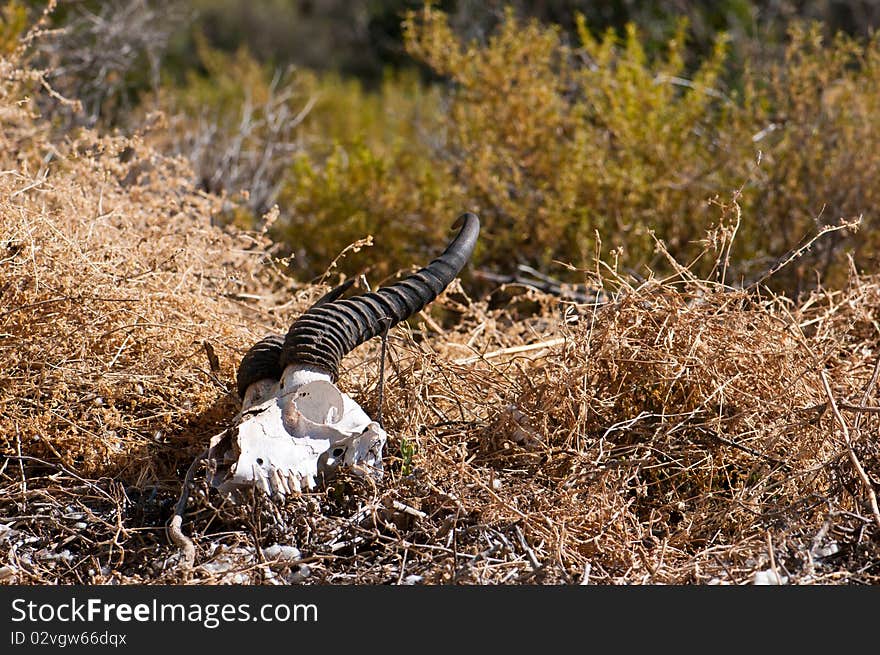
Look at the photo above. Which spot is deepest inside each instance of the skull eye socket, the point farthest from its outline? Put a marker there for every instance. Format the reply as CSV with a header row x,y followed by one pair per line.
x,y
337,452
260,461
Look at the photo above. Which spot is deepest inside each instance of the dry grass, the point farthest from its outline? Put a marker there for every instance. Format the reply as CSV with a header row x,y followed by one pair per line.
x,y
674,431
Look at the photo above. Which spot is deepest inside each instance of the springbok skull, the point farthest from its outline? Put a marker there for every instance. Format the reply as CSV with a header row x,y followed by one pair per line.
x,y
294,422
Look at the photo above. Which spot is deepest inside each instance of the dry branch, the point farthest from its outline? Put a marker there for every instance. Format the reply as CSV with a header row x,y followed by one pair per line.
x,y
863,476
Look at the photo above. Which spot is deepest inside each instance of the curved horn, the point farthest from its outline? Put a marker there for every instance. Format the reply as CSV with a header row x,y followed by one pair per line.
x,y
263,360
324,334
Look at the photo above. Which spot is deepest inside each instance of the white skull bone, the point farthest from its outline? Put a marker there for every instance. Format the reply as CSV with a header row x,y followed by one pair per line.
x,y
290,431
295,423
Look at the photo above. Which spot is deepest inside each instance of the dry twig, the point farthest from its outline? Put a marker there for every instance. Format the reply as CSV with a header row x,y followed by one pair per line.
x,y
860,470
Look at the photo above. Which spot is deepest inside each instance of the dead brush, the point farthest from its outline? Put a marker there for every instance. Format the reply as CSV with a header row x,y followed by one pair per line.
x,y
680,431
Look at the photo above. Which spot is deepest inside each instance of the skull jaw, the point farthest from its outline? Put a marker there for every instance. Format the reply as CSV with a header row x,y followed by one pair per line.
x,y
289,433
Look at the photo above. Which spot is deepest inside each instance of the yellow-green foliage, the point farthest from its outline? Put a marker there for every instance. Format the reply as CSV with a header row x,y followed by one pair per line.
x,y
555,143
228,81
353,163
822,157
368,170
14,22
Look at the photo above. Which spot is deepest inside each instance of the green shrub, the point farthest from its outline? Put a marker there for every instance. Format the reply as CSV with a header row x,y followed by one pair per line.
x,y
369,170
14,21
567,149
555,144
821,159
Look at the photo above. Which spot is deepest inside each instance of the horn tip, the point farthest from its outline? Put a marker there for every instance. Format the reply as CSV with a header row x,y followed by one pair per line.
x,y
465,217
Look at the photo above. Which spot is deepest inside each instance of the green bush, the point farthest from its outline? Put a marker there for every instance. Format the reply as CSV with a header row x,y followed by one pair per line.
x,y
14,21
565,149
556,145
369,169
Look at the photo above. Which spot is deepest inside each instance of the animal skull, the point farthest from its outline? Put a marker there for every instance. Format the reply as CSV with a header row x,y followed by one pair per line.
x,y
295,423
291,431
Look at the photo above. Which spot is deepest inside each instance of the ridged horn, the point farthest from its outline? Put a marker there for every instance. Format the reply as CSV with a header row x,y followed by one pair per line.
x,y
325,333
263,360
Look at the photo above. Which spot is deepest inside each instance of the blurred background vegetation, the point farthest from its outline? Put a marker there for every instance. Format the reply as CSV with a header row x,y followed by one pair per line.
x,y
575,129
